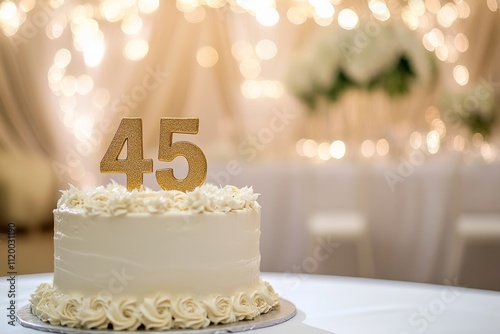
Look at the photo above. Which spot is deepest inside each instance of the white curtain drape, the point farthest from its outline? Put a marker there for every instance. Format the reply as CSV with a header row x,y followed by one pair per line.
x,y
170,82
24,122
27,143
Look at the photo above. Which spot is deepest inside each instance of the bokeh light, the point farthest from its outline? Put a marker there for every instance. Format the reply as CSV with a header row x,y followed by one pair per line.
x,y
250,68
299,147
297,14
323,21
367,148
433,6
337,149
310,148
251,89
196,15
461,75
489,152
112,10
447,15
266,49
55,28
415,140
268,16
68,85
417,6
433,141
492,5
461,42
348,19
241,49
409,18
439,126
382,147
82,129
148,6
186,6
9,18
62,58
207,56
136,49
84,84
131,25
459,143
27,5
323,9
324,151
379,10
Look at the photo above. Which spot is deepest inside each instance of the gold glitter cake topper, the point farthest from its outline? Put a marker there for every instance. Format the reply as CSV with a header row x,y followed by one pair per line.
x,y
134,165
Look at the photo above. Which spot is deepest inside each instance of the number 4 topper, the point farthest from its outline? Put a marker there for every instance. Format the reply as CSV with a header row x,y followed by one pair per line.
x,y
134,165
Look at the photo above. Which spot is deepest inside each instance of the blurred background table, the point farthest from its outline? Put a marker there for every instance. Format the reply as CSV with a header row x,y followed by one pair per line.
x,y
411,225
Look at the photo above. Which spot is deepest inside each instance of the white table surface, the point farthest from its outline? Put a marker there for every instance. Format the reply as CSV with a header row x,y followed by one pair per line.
x,y
329,304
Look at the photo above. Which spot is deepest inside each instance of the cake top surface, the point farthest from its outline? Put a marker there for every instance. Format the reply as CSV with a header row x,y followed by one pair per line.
x,y
115,200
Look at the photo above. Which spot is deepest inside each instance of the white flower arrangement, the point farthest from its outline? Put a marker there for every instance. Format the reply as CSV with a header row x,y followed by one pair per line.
x,y
473,106
372,56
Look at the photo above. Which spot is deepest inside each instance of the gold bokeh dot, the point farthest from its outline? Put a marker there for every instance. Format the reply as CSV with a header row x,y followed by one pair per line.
x,y
207,56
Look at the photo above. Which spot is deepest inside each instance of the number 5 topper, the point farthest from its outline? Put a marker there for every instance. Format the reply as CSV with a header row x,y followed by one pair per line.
x,y
134,165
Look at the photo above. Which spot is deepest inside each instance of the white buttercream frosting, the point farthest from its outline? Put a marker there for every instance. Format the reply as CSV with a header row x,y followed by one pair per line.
x,y
155,260
161,312
114,200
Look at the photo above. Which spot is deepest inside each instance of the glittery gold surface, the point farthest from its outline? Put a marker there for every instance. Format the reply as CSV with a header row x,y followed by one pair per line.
x,y
168,151
130,131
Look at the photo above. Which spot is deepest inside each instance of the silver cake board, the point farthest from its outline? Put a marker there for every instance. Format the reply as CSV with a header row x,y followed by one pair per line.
x,y
284,312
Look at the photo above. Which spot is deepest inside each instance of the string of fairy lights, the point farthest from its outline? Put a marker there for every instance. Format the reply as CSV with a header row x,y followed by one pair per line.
x,y
439,22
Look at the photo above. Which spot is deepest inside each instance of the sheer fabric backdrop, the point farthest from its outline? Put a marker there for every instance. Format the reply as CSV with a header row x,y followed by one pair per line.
x,y
72,133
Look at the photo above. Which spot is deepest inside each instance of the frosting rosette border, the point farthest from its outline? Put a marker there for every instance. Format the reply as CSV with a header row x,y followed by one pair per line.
x,y
150,313
115,200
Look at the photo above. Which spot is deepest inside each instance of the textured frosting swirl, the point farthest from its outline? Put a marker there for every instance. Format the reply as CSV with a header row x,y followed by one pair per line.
x,y
158,313
189,313
114,200
220,310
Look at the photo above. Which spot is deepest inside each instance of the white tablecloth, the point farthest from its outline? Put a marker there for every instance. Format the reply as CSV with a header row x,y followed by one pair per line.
x,y
410,224
329,304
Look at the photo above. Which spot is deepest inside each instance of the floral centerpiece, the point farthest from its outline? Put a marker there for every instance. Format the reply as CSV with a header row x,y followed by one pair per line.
x,y
474,107
373,56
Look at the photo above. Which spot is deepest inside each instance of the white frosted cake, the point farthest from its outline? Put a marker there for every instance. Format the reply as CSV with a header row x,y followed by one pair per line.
x,y
154,259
